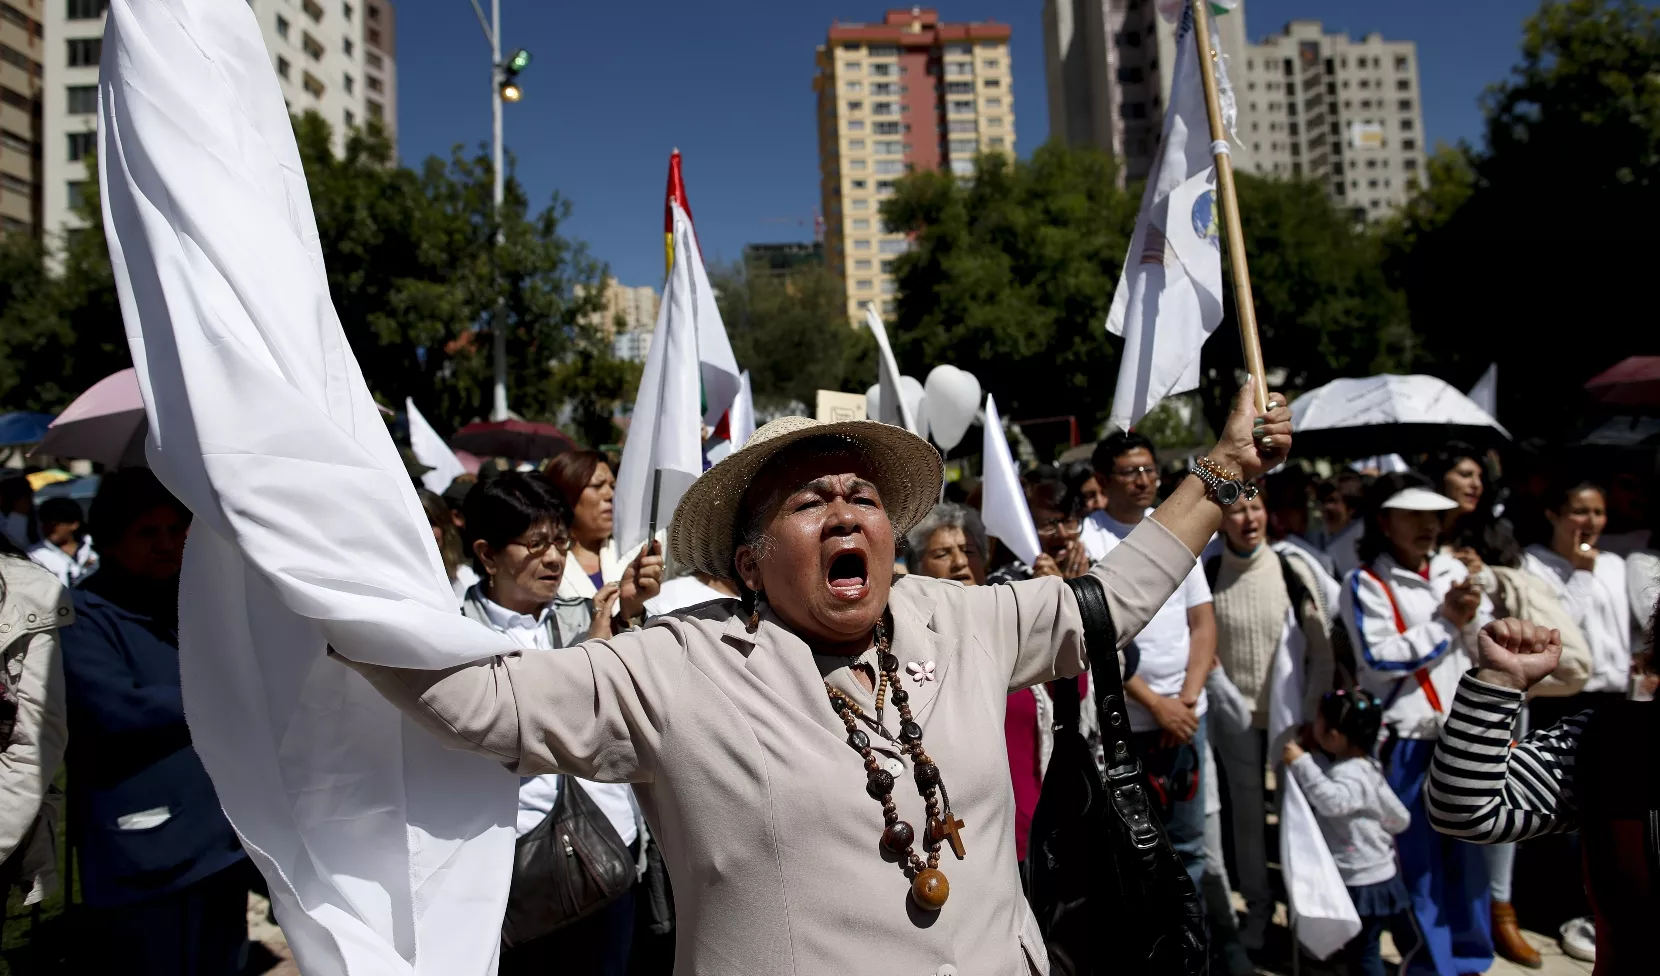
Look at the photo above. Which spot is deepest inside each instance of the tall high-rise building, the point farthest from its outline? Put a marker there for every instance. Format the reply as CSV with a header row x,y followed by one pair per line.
x,y
21,49
1108,66
1344,112
331,57
1311,105
906,94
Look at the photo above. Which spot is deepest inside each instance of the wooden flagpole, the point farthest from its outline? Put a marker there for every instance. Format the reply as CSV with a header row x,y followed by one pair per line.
x,y
1244,307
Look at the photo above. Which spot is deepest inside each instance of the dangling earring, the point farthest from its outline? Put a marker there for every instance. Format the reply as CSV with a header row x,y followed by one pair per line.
x,y
755,612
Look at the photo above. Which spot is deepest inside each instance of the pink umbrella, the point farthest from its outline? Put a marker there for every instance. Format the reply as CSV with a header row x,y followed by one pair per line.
x,y
105,424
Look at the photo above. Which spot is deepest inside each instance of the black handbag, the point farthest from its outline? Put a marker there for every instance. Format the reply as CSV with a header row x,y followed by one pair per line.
x,y
1109,892
565,869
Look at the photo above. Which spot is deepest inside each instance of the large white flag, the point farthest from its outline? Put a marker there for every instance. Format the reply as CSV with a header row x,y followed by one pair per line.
x,y
690,363
1002,502
1169,298
430,450
386,853
892,404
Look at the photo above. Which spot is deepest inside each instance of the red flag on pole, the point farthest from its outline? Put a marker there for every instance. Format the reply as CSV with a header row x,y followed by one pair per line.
x,y
676,194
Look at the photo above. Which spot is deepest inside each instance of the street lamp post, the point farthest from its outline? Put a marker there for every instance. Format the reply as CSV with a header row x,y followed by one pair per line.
x,y
503,87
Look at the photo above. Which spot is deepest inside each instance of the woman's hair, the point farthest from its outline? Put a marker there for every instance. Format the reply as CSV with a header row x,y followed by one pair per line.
x,y
946,515
59,510
1349,485
1558,493
438,517
1054,493
123,498
1356,714
1436,466
503,508
571,471
1373,543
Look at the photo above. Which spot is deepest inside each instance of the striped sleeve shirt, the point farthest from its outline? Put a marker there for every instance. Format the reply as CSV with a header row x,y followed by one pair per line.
x,y
1484,790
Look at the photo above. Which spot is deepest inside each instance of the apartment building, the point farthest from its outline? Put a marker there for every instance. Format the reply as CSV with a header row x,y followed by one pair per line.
x,y
334,57
1108,66
1330,108
909,93
21,46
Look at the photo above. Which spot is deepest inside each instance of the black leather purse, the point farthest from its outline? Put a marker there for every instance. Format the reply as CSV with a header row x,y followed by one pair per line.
x,y
1109,892
568,867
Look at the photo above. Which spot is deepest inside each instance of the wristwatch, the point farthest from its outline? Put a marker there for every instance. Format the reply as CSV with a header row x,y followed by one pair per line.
x,y
1222,485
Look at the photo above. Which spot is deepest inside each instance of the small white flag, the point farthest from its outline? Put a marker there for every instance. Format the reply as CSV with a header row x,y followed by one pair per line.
x,y
892,404
430,450
740,422
1485,394
1169,298
1002,501
690,361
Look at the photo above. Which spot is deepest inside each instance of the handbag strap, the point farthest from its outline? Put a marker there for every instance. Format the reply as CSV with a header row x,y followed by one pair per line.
x,y
1126,783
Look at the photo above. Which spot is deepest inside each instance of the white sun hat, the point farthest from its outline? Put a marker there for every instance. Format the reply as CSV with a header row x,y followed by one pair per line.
x,y
1420,500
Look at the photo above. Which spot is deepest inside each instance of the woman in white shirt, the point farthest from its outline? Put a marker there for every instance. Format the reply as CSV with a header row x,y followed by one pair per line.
x,y
585,481
1412,614
1593,588
518,534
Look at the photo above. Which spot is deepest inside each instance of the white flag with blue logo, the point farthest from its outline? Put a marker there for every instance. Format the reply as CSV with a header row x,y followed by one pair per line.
x,y
1169,298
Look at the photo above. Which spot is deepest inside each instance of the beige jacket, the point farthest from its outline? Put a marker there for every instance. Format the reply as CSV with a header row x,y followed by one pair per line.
x,y
33,606
746,778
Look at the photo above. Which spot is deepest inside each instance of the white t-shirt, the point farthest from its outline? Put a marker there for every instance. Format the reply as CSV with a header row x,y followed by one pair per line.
x,y
1165,641
537,794
680,593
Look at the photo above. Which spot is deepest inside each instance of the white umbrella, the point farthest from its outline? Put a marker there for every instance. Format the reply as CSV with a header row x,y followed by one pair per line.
x,y
1388,414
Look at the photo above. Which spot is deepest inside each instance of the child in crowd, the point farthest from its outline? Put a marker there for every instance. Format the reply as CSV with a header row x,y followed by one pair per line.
x,y
1359,816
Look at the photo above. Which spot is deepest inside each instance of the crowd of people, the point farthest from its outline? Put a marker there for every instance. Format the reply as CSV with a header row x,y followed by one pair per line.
x,y
1384,587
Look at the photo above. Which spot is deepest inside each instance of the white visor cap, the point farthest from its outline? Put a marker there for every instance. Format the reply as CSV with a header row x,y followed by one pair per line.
x,y
1420,500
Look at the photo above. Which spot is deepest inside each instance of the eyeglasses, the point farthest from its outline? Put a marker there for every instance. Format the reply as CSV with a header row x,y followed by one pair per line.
x,y
1058,526
1130,474
541,546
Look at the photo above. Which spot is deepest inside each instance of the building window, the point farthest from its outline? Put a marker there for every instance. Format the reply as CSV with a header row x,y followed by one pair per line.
x,y
889,308
1365,84
1138,110
887,267
995,142
882,108
313,10
347,83
346,47
860,185
959,88
887,147
855,106
960,107
852,66
346,11
863,284
1405,105
856,165
863,264
1406,125
889,167
1401,62
282,66
993,103
375,110
882,70
964,146
861,223
282,27
1131,76
861,205
884,51
80,144
87,9
887,88
959,69
17,143
312,86
855,145
373,34
994,123
313,48
1410,165
372,59
1409,144
991,64
962,167
1403,84
886,128
961,127
375,84
351,120
889,286
77,194
990,83
16,184
84,52
856,126
884,186
83,99
853,88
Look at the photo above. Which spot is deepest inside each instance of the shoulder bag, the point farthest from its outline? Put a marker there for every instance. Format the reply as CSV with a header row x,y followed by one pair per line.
x,y
568,867
1109,892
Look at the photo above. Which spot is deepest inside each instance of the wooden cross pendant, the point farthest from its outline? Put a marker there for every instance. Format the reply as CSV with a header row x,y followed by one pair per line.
x,y
948,829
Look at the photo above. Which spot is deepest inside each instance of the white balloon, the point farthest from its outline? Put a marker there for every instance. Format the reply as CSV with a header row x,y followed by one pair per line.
x,y
953,397
911,390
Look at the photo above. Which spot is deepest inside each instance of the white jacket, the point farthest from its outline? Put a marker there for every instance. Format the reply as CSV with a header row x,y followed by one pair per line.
x,y
1600,604
33,606
1402,641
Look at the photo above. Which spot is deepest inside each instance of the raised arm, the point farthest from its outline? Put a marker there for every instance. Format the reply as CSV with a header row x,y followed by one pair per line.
x,y
1482,789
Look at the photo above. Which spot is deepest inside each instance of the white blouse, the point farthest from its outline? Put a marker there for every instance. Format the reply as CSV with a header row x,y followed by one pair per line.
x,y
1600,604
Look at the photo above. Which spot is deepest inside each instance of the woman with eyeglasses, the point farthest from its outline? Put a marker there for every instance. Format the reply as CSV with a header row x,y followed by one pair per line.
x,y
518,534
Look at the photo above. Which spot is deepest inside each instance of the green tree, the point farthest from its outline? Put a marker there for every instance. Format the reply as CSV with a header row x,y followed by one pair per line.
x,y
1324,306
1011,276
1536,258
790,331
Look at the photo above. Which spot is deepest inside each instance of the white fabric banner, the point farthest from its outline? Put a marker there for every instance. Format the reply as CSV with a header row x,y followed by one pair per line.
x,y
430,450
385,853
893,405
690,361
741,420
1002,502
1323,916
1485,394
1169,297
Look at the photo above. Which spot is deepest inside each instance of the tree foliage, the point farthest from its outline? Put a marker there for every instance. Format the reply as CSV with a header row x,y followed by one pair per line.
x,y
791,332
1532,251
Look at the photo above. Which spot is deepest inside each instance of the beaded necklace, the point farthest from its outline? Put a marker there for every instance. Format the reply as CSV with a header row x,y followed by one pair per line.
x,y
929,889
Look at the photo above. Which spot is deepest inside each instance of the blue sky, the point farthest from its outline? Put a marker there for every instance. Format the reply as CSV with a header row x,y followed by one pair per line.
x,y
614,87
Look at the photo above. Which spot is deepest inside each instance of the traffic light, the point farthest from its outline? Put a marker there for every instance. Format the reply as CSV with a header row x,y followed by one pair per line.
x,y
510,90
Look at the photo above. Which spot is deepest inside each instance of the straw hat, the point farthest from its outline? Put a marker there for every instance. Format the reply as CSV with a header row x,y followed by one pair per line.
x,y
904,467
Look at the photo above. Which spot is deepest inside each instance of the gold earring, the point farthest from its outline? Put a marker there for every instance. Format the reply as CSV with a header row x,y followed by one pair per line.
x,y
755,614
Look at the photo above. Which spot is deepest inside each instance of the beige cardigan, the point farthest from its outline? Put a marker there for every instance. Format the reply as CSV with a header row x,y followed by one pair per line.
x,y
746,779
